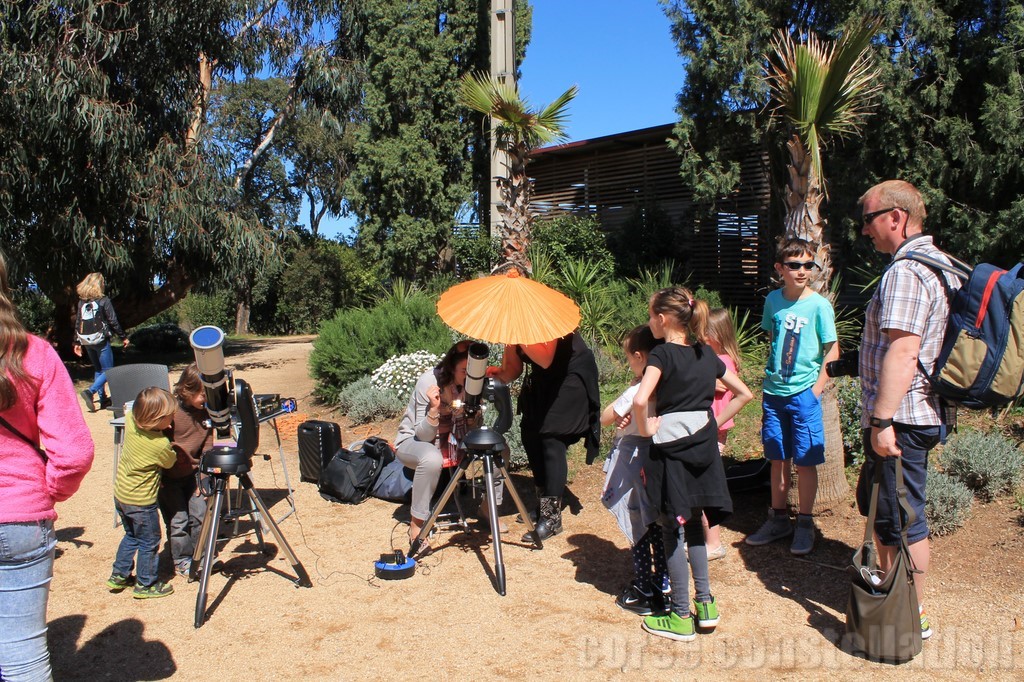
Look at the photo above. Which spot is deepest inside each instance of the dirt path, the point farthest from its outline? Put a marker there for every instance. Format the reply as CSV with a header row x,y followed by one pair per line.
x,y
781,616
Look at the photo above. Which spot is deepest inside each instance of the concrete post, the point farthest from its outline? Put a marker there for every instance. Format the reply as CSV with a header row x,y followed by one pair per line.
x,y
503,67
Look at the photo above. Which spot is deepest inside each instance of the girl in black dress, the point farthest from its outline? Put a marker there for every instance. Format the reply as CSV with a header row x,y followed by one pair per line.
x,y
685,476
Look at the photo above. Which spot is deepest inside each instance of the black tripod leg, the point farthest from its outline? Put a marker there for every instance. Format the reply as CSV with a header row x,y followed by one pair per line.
x,y
254,497
492,509
510,488
432,519
211,525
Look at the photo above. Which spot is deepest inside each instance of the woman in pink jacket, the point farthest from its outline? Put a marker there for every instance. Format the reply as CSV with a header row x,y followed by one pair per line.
x,y
37,403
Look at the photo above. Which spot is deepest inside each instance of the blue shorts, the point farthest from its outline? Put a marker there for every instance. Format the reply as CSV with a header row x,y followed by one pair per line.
x,y
915,442
791,428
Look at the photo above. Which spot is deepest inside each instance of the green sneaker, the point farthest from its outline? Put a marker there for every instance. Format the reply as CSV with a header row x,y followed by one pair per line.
x,y
153,591
706,613
926,626
672,626
119,583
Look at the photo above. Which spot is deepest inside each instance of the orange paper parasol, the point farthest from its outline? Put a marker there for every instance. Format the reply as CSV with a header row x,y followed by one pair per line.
x,y
509,309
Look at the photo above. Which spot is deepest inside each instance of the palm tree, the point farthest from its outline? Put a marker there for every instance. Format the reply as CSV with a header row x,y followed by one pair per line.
x,y
820,90
518,130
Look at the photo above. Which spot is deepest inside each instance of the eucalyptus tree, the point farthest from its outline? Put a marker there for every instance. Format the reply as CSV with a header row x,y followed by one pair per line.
x,y
106,163
94,172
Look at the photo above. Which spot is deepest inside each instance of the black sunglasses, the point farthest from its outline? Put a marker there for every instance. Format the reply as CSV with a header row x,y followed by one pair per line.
x,y
868,217
796,264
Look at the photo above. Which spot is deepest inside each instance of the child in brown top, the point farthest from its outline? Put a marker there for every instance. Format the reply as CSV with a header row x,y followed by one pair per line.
x,y
181,502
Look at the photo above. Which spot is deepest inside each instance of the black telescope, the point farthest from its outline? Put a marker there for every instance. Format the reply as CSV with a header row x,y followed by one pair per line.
x,y
228,401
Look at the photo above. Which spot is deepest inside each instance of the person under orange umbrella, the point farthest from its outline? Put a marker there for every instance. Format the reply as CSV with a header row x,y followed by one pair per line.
x,y
560,404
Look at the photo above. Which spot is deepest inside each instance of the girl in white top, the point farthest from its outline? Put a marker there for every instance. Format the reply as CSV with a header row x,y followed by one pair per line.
x,y
624,494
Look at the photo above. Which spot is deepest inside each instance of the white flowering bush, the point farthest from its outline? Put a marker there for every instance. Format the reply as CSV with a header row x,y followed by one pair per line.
x,y
400,373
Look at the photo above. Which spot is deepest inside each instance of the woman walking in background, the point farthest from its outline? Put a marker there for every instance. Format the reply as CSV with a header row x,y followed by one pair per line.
x,y
94,322
37,402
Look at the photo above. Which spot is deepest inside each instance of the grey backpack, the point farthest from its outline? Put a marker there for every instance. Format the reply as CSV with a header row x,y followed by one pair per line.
x,y
92,331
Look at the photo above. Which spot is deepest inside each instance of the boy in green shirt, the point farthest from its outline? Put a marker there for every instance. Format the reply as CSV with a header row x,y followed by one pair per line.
x,y
146,452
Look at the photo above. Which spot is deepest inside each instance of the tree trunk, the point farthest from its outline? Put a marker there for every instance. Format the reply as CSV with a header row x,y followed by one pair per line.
x,y
242,318
132,307
516,190
805,192
202,101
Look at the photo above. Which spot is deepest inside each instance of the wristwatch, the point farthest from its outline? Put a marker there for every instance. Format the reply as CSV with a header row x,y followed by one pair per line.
x,y
880,423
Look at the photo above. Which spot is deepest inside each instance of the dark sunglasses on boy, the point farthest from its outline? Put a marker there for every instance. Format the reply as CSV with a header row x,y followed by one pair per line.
x,y
796,264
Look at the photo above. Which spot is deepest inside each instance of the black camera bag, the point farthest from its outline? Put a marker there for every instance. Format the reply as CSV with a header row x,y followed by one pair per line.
x,y
351,474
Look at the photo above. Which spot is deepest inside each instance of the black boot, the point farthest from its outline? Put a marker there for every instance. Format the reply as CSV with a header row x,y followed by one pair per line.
x,y
550,519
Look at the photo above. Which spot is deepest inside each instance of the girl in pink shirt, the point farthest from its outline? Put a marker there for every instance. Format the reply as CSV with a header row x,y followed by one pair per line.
x,y
37,403
721,336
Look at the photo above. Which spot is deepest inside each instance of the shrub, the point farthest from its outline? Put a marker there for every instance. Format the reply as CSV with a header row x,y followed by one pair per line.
x,y
709,296
949,503
320,279
196,310
611,366
517,459
35,310
166,316
569,237
165,337
987,462
363,403
848,395
401,372
475,250
358,340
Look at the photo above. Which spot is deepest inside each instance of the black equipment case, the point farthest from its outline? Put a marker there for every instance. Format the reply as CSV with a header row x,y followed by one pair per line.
x,y
318,442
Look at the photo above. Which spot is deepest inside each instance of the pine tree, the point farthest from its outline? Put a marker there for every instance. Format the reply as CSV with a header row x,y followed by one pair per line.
x,y
413,168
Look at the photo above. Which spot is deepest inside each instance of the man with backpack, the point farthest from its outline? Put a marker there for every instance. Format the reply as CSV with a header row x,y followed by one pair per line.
x,y
902,414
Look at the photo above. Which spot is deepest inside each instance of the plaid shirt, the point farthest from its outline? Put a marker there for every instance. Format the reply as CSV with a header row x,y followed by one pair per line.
x,y
909,298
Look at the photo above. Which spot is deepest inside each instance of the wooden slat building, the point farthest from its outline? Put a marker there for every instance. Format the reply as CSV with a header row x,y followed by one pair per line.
x,y
612,177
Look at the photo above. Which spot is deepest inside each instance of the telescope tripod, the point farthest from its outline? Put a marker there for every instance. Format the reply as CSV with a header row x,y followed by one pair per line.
x,y
493,461
206,547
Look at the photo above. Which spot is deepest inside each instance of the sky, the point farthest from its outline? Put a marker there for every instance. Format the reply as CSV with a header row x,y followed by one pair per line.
x,y
619,52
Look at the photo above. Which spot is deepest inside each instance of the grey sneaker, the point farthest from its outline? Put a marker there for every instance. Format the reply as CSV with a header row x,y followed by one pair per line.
x,y
803,537
775,528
